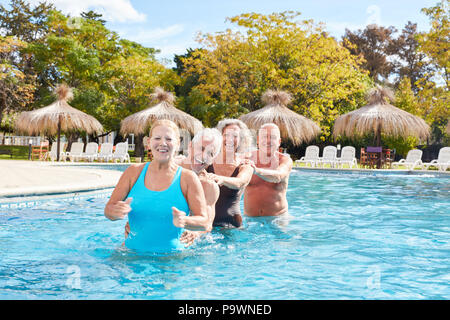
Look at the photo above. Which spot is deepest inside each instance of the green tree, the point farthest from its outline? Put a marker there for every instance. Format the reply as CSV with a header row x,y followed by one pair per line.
x,y
409,61
436,42
16,88
277,52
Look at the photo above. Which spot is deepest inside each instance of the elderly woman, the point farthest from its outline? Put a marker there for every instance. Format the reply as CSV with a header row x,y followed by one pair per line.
x,y
202,150
157,196
230,173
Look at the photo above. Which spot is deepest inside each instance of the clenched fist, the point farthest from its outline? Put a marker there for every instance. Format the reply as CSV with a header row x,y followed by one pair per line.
x,y
121,208
179,218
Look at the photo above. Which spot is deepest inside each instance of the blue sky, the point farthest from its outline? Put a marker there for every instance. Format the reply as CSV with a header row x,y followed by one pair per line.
x,y
171,26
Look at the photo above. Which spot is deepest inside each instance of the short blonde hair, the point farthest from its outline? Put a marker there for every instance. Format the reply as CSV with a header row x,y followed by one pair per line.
x,y
166,123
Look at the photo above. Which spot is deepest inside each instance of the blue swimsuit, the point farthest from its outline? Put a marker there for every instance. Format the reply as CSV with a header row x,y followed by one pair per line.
x,y
150,218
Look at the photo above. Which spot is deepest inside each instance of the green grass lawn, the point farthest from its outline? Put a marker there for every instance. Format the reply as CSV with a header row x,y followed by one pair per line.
x,y
18,152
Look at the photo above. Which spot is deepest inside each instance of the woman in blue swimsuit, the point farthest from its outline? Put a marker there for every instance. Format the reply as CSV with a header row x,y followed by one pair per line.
x,y
158,196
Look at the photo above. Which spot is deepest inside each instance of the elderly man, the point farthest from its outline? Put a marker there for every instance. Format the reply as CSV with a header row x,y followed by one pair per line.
x,y
265,195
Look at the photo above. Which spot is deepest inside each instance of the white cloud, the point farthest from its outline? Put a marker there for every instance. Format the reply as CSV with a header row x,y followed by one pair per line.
x,y
112,10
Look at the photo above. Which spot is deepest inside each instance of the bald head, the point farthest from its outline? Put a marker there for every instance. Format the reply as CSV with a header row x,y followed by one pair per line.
x,y
269,139
271,127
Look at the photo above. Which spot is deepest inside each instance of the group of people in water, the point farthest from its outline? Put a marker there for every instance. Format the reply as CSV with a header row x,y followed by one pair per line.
x,y
173,200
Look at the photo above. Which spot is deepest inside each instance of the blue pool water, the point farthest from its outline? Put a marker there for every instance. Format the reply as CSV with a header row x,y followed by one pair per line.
x,y
348,236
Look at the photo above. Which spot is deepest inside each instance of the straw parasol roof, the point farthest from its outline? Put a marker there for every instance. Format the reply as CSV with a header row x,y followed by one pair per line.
x,y
46,120
381,117
140,122
57,117
293,126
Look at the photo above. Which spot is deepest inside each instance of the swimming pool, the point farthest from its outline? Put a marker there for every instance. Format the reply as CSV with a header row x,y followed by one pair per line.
x,y
348,236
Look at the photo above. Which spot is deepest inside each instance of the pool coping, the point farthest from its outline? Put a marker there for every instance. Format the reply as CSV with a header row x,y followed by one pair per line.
x,y
375,171
107,179
31,201
103,179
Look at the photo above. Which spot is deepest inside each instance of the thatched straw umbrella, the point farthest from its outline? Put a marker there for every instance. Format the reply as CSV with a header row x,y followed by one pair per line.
x,y
140,122
57,117
293,126
380,117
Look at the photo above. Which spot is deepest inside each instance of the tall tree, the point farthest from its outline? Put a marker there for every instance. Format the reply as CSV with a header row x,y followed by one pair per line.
x,y
276,52
436,42
372,44
92,15
29,25
409,61
16,88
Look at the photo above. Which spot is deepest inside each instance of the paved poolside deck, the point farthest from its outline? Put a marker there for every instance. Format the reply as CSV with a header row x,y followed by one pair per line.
x,y
28,178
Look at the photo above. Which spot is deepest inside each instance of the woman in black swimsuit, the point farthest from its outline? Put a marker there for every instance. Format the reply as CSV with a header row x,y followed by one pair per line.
x,y
230,174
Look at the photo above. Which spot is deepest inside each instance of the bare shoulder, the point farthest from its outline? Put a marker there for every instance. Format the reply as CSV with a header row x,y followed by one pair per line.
x,y
126,182
284,158
188,176
134,169
132,173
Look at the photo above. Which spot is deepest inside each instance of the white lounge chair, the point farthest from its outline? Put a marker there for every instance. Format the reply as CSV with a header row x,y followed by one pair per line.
x,y
413,159
328,156
311,156
105,153
91,152
76,151
443,160
347,157
53,153
121,152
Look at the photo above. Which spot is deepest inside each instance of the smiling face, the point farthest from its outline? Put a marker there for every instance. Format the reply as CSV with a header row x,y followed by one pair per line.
x,y
163,143
203,153
269,139
231,137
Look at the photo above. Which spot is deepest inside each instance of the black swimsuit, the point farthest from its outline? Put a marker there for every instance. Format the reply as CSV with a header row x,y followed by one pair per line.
x,y
228,210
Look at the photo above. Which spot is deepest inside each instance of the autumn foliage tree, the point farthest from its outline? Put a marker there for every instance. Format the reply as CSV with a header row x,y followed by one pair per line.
x,y
16,87
111,77
372,44
277,51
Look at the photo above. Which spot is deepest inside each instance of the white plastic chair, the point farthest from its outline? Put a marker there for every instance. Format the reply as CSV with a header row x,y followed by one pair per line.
x,y
348,156
53,153
76,151
121,152
413,159
442,162
105,153
329,155
311,156
91,152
